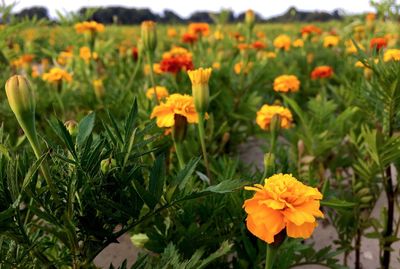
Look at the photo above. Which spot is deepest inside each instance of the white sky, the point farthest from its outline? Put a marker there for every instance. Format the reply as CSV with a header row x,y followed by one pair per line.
x,y
266,8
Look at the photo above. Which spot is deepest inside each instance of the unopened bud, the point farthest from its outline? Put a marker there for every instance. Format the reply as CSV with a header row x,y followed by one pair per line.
x,y
20,96
249,18
269,164
139,239
200,88
72,127
149,35
107,164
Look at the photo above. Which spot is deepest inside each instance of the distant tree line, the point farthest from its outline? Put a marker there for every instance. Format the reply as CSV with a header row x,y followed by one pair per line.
x,y
123,15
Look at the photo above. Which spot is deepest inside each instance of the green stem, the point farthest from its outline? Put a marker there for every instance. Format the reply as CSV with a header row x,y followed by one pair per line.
x,y
30,132
152,80
132,78
179,155
270,256
203,143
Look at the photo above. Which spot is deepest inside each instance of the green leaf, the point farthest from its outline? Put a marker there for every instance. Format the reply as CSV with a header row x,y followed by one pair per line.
x,y
157,177
85,128
146,196
336,203
130,121
64,135
225,186
184,175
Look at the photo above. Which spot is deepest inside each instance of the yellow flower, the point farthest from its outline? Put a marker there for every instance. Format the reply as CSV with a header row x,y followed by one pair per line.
x,y
265,114
64,57
161,91
282,42
351,48
331,41
282,202
240,67
200,76
57,75
216,65
171,32
89,26
98,88
86,54
176,104
391,55
298,43
286,83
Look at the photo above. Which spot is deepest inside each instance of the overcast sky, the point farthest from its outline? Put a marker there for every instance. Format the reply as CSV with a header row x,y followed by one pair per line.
x,y
266,8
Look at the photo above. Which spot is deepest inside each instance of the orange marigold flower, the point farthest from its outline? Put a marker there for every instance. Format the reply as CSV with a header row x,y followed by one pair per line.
x,y
89,26
241,67
370,17
176,104
378,43
282,42
310,29
175,60
171,32
286,83
391,55
298,43
189,38
322,71
265,114
161,91
258,45
57,75
281,203
199,28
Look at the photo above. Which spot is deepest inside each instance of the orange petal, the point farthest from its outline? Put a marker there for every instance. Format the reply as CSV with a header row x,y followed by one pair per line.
x,y
300,231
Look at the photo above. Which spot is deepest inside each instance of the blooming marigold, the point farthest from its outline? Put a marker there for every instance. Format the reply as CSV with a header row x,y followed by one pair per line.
x,y
298,43
331,41
189,38
282,42
351,47
175,60
322,71
282,202
86,54
310,29
161,91
57,75
176,104
241,67
391,55
265,114
171,32
89,26
378,43
286,83
258,45
199,28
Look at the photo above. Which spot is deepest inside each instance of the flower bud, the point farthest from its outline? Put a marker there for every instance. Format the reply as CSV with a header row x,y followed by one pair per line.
x,y
149,35
72,127
200,88
139,239
20,96
98,88
249,18
275,123
107,164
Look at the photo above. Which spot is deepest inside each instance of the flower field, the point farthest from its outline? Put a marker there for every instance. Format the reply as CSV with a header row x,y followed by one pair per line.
x,y
109,130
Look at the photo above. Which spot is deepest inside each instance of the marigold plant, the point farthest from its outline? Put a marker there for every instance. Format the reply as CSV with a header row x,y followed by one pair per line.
x,y
286,83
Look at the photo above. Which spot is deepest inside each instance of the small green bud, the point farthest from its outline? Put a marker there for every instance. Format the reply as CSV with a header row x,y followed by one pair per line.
x,y
269,164
107,164
72,127
249,18
139,239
